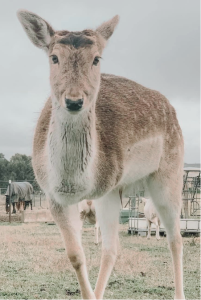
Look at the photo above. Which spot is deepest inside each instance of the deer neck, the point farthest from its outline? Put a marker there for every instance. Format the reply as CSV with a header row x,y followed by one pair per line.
x,y
72,144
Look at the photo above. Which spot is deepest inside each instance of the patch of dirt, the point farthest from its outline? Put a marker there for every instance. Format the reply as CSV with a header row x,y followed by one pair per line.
x,y
14,217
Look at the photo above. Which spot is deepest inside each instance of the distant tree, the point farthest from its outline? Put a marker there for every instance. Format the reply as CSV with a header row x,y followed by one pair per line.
x,y
4,167
20,167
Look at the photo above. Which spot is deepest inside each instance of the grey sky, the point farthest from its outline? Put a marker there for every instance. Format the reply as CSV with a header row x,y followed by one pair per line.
x,y
156,44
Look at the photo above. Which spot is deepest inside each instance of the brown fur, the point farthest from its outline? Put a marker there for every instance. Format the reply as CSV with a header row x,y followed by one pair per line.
x,y
141,113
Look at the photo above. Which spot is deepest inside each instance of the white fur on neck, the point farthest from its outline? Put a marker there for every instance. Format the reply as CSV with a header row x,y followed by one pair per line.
x,y
72,146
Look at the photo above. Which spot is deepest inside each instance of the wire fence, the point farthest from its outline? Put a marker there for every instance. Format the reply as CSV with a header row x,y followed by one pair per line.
x,y
191,196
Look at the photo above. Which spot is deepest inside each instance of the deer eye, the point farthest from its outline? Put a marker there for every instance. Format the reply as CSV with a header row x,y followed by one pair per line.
x,y
55,59
96,60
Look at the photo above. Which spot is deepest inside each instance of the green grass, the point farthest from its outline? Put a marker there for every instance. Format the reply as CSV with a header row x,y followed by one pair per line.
x,y
34,265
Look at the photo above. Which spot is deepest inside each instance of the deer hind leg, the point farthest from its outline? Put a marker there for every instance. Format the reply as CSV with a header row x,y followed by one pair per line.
x,y
166,196
68,221
149,229
107,213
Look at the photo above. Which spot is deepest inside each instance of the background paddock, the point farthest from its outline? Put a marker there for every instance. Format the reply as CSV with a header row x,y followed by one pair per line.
x,y
35,265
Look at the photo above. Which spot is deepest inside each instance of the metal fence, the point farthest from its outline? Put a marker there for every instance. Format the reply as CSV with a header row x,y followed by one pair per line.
x,y
191,194
3,187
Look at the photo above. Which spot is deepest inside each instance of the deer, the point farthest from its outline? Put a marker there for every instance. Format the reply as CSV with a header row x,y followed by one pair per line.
x,y
99,134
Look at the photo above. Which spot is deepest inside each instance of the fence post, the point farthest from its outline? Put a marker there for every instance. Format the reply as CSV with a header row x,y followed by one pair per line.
x,y
40,198
10,201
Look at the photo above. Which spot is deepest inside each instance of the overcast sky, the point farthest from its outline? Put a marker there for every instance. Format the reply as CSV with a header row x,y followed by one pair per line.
x,y
156,44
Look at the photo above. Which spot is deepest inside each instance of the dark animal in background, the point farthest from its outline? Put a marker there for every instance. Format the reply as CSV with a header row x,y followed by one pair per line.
x,y
21,196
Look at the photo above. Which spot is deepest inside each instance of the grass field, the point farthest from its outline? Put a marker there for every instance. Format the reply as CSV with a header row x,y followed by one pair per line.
x,y
34,265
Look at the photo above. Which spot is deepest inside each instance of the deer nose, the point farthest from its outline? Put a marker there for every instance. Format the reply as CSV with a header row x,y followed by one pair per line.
x,y
74,105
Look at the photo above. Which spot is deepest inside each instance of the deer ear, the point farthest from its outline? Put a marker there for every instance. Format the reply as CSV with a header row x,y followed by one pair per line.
x,y
37,29
107,28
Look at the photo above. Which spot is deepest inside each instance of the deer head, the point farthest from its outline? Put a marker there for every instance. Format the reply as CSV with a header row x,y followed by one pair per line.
x,y
74,59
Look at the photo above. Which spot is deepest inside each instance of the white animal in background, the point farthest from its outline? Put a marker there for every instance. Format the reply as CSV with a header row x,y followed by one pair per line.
x,y
151,216
88,213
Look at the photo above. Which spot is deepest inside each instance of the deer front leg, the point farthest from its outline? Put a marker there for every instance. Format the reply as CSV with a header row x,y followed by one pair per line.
x,y
68,220
107,212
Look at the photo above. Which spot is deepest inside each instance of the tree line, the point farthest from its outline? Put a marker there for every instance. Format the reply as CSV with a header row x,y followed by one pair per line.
x,y
19,167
